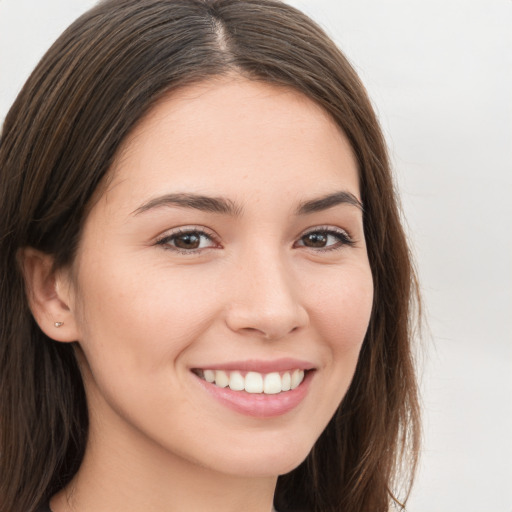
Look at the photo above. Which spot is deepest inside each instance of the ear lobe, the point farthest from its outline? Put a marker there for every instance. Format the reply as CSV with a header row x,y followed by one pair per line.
x,y
49,296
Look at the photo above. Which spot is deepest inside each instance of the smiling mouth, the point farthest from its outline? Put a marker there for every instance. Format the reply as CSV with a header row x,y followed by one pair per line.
x,y
253,382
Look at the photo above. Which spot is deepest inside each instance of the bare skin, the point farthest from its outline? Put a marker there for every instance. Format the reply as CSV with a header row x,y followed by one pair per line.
x,y
162,290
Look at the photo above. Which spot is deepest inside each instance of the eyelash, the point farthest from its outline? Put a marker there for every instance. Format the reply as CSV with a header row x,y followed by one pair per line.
x,y
344,239
165,241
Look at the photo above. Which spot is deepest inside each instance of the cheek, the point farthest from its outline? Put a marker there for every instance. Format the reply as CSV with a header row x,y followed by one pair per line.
x,y
143,318
341,316
136,326
342,308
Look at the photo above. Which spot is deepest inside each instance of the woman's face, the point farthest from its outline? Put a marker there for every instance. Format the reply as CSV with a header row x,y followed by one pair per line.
x,y
229,246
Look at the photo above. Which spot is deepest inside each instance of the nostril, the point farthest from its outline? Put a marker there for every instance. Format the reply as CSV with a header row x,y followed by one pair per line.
x,y
263,316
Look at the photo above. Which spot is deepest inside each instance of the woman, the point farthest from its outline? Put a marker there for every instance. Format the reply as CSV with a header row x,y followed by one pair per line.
x,y
205,285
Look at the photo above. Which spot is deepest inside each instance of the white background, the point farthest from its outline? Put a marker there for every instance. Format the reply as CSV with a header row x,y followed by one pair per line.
x,y
440,75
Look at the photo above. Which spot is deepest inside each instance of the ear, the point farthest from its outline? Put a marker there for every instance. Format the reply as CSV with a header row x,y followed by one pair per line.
x,y
49,295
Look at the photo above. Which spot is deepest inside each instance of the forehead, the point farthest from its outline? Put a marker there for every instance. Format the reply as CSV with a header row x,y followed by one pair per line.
x,y
237,135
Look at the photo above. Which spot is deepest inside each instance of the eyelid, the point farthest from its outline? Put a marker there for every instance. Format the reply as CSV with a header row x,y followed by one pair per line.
x,y
330,230
164,238
344,238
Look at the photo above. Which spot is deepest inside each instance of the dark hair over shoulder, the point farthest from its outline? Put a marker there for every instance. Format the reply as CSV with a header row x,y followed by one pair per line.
x,y
58,142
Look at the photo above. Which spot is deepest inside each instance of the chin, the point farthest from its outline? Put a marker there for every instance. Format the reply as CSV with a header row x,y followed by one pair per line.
x,y
271,461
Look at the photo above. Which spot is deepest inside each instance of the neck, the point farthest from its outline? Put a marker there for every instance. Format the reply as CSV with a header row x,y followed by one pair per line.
x,y
128,472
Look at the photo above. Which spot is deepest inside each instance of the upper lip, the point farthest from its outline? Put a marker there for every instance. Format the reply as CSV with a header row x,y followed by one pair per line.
x,y
260,366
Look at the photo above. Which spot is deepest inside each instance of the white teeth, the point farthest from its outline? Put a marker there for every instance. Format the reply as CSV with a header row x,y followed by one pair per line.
x,y
255,382
236,381
209,375
286,382
221,379
297,378
272,384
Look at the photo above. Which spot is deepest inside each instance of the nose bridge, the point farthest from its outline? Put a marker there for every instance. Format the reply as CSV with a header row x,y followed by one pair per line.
x,y
267,299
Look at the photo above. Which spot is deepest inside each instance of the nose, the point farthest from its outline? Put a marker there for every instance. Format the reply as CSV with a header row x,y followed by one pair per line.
x,y
266,299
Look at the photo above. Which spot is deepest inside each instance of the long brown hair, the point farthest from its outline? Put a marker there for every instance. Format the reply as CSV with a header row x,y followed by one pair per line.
x,y
59,140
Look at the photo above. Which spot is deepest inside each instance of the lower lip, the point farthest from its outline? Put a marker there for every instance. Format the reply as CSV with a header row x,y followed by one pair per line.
x,y
259,405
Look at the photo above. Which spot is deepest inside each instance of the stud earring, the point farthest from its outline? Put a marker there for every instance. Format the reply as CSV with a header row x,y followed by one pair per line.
x,y
58,324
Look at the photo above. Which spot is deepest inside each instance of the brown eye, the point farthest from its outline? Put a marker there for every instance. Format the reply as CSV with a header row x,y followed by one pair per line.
x,y
325,239
317,239
187,241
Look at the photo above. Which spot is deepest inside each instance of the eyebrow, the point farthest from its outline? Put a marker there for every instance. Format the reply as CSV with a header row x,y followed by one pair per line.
x,y
198,202
225,206
328,201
